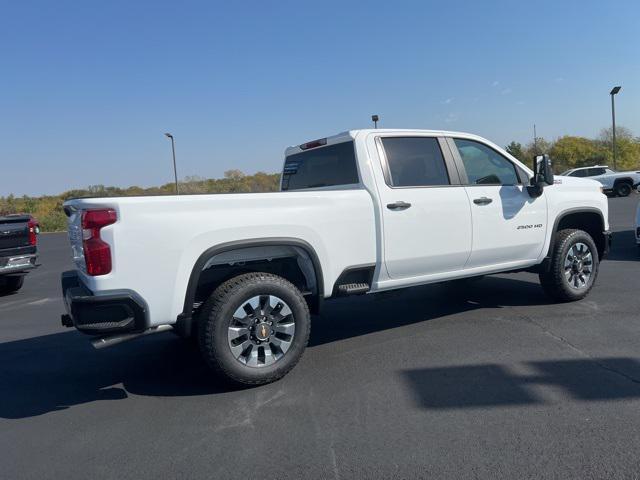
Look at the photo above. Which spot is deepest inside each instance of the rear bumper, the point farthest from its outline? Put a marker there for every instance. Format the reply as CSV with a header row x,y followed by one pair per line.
x,y
17,263
121,311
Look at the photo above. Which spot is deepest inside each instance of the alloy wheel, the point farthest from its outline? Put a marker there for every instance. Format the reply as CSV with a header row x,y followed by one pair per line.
x,y
578,266
261,331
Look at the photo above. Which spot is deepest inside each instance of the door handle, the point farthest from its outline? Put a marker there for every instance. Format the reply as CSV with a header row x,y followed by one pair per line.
x,y
398,206
482,201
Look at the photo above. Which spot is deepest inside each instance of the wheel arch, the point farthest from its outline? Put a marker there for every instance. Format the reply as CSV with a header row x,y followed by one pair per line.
x,y
300,249
589,219
628,180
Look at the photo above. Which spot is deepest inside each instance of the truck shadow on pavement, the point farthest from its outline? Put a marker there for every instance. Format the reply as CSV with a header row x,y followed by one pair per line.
x,y
58,371
493,385
624,247
54,372
353,317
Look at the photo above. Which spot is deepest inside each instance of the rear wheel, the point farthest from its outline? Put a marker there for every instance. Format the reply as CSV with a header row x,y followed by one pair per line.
x,y
574,266
623,189
254,328
11,284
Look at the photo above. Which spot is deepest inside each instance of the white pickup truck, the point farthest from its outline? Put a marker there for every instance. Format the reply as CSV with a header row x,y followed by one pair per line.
x,y
360,212
618,183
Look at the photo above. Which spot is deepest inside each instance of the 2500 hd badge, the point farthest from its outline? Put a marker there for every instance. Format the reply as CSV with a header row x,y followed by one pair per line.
x,y
524,227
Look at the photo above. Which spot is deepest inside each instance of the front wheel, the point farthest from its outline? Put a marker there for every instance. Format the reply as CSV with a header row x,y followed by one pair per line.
x,y
574,266
254,328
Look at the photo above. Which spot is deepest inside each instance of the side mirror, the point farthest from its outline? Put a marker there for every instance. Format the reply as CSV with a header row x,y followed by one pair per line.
x,y
542,175
542,172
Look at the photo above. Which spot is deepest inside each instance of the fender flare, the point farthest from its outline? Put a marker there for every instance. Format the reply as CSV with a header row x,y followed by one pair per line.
x,y
183,323
628,180
566,213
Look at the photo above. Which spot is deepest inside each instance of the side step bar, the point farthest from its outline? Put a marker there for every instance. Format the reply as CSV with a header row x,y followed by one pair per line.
x,y
353,288
111,340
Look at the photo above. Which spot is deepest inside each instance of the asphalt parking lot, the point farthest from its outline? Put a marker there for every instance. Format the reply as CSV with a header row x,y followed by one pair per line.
x,y
495,382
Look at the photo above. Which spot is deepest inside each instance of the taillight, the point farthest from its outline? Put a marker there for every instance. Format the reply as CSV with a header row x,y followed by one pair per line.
x,y
33,230
97,253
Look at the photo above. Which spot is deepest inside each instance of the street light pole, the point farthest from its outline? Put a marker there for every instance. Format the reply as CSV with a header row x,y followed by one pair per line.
x,y
613,92
175,171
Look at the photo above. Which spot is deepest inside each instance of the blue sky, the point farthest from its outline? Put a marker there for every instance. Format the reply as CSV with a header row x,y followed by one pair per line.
x,y
88,88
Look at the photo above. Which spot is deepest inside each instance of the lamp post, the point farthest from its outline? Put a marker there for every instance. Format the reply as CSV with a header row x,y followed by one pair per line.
x,y
613,93
173,150
375,119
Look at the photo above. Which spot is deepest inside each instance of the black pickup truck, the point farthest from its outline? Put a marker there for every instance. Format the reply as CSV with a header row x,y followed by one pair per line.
x,y
18,250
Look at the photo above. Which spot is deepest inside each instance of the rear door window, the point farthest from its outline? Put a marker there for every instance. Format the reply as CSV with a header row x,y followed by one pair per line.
x,y
415,162
328,166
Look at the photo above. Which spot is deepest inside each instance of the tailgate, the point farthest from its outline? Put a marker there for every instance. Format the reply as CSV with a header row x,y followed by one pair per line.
x,y
14,231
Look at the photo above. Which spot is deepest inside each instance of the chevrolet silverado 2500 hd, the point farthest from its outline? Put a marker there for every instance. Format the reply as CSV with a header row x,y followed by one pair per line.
x,y
360,212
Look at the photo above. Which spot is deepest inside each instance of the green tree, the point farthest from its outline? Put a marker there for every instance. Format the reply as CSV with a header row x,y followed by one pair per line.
x,y
571,152
515,149
622,133
627,154
234,174
540,147
627,148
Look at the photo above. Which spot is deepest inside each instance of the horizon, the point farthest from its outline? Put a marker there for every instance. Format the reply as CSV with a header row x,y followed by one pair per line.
x,y
236,85
197,178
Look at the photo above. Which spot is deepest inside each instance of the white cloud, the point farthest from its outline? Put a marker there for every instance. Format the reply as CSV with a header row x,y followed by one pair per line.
x,y
447,101
559,80
506,91
495,83
451,117
520,102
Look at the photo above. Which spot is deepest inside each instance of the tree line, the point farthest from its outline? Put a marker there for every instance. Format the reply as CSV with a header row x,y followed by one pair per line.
x,y
48,208
566,152
572,152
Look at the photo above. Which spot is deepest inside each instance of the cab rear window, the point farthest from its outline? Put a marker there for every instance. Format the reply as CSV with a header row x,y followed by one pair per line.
x,y
329,166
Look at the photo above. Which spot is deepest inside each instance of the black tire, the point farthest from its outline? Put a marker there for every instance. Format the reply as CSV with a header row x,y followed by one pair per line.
x,y
216,317
623,189
11,284
555,282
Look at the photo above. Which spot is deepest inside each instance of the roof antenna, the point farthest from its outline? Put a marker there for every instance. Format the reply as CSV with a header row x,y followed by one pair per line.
x,y
374,119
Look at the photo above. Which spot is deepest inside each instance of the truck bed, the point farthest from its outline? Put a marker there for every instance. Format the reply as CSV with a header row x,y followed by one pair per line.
x,y
157,240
